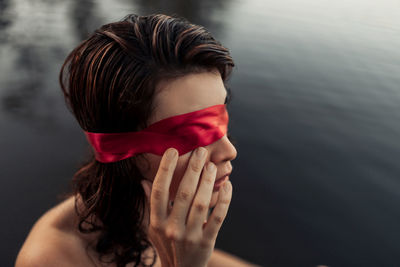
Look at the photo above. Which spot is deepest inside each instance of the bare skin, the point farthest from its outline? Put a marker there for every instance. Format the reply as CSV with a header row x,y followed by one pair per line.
x,y
55,240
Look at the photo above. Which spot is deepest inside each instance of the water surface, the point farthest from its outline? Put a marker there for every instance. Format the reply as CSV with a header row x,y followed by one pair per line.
x,y
315,113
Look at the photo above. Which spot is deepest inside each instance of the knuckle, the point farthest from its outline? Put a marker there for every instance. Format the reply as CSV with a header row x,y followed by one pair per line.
x,y
200,206
157,193
157,227
225,201
164,167
208,180
173,234
184,195
196,165
218,219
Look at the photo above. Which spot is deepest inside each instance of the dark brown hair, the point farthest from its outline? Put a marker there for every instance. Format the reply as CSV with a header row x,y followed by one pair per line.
x,y
109,83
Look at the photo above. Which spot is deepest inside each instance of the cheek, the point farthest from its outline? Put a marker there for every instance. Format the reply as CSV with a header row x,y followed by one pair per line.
x,y
148,165
155,160
178,174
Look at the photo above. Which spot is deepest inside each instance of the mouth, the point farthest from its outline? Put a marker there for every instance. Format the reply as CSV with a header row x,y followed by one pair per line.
x,y
223,176
220,181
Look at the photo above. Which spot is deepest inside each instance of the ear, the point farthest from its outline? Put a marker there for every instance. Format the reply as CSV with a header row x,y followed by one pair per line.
x,y
147,185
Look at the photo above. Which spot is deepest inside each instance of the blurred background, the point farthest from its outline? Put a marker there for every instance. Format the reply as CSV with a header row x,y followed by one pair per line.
x,y
315,112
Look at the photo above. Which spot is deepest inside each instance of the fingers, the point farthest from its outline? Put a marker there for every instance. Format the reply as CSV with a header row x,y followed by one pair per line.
x,y
169,230
219,213
160,190
199,210
187,187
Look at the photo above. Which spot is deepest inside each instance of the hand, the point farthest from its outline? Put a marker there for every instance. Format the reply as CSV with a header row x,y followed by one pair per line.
x,y
179,234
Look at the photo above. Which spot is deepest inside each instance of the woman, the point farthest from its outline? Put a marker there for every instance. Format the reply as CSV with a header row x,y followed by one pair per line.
x,y
149,94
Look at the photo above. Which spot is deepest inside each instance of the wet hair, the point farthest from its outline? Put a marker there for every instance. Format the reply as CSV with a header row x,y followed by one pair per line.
x,y
109,83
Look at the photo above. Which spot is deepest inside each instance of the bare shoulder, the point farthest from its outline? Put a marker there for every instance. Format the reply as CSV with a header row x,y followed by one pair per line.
x,y
54,249
51,243
222,258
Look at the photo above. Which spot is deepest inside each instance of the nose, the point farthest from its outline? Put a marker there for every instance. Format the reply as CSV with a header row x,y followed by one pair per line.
x,y
222,150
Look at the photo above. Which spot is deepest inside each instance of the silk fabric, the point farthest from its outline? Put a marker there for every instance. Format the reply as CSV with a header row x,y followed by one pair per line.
x,y
183,132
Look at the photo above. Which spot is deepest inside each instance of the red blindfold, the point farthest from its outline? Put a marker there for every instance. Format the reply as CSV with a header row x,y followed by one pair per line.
x,y
184,132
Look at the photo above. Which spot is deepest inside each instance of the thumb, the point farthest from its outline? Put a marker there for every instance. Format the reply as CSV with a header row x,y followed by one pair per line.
x,y
147,185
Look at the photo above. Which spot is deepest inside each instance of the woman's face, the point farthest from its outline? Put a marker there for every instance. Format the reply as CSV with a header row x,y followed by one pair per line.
x,y
182,95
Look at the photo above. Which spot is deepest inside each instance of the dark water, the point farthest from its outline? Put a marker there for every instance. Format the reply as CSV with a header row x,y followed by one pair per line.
x,y
315,111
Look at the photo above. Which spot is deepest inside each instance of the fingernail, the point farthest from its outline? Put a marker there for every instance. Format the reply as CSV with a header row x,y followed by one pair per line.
x,y
227,186
200,151
171,153
210,166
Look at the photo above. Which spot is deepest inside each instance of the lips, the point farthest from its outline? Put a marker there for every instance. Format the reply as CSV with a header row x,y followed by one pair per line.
x,y
223,176
220,181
